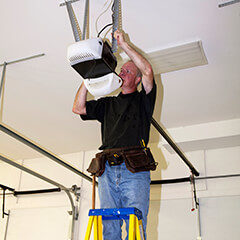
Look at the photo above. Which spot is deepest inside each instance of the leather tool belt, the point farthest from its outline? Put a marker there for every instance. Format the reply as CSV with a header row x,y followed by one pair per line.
x,y
136,158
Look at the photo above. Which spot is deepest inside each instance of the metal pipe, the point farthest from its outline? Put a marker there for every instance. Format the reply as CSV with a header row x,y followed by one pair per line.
x,y
25,169
74,22
115,23
228,3
4,73
6,228
38,148
188,179
23,59
86,17
199,220
3,204
6,188
70,1
2,78
17,193
73,213
170,181
21,167
174,146
219,176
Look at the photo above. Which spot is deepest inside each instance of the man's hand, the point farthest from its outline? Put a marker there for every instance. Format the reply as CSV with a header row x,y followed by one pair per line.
x,y
118,35
139,60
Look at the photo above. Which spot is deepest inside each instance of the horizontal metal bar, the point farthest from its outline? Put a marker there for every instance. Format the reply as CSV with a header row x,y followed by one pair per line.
x,y
69,1
188,179
174,146
6,188
17,193
228,3
28,170
170,181
22,59
38,148
7,194
66,190
219,176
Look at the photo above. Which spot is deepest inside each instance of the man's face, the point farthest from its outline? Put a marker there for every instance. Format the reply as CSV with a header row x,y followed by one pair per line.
x,y
128,74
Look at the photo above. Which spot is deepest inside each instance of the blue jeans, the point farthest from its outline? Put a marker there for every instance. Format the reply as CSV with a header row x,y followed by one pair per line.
x,y
119,188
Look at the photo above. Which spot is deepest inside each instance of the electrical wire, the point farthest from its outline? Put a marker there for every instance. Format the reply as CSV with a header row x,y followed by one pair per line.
x,y
102,13
110,24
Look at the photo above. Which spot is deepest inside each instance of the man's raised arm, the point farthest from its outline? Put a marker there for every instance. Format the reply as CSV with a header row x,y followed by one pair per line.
x,y
141,62
79,104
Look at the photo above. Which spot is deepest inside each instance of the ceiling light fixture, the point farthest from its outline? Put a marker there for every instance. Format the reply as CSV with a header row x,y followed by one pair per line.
x,y
177,58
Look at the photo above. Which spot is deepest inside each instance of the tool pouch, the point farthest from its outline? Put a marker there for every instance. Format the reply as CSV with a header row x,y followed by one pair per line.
x,y
115,159
139,159
97,165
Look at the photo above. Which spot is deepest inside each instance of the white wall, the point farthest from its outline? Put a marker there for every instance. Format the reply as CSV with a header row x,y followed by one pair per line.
x,y
170,216
44,216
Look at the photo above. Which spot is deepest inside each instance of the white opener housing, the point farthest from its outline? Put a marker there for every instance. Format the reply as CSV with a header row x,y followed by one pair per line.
x,y
95,62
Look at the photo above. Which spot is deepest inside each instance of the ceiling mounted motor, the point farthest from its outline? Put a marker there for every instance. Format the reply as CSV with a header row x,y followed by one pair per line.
x,y
93,58
95,62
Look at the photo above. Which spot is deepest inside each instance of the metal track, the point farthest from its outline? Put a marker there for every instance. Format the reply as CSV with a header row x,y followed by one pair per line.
x,y
228,3
40,149
174,146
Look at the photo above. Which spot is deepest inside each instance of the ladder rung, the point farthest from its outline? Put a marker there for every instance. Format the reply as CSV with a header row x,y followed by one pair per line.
x,y
133,214
115,213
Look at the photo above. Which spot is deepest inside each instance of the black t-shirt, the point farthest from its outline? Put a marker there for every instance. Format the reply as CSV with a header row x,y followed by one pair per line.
x,y
125,119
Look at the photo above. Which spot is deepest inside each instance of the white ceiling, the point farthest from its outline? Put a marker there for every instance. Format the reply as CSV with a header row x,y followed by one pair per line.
x,y
39,93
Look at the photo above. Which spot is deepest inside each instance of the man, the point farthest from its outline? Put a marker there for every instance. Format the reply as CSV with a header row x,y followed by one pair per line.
x,y
125,122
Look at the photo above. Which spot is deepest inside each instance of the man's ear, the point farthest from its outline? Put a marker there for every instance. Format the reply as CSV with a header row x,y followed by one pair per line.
x,y
137,80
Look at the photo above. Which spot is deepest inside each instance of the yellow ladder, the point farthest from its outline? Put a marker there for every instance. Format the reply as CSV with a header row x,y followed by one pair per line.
x,y
96,216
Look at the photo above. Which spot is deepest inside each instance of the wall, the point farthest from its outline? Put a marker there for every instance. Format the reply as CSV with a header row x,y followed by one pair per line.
x,y
170,216
45,215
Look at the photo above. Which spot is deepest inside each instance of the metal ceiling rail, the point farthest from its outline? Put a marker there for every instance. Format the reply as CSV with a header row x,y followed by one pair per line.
x,y
2,80
22,59
25,140
6,129
66,190
188,179
4,73
228,3
25,169
174,146
4,188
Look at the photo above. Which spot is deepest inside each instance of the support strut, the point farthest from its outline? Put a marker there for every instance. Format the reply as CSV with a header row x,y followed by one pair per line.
x,y
66,190
38,148
174,146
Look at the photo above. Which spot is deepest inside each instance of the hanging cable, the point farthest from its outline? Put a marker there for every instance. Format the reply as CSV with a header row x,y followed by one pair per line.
x,y
108,25
103,13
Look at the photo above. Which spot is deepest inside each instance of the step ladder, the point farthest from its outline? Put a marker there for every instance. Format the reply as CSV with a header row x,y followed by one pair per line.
x,y
96,216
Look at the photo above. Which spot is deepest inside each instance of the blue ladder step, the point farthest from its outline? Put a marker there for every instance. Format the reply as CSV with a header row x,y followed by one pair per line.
x,y
115,213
